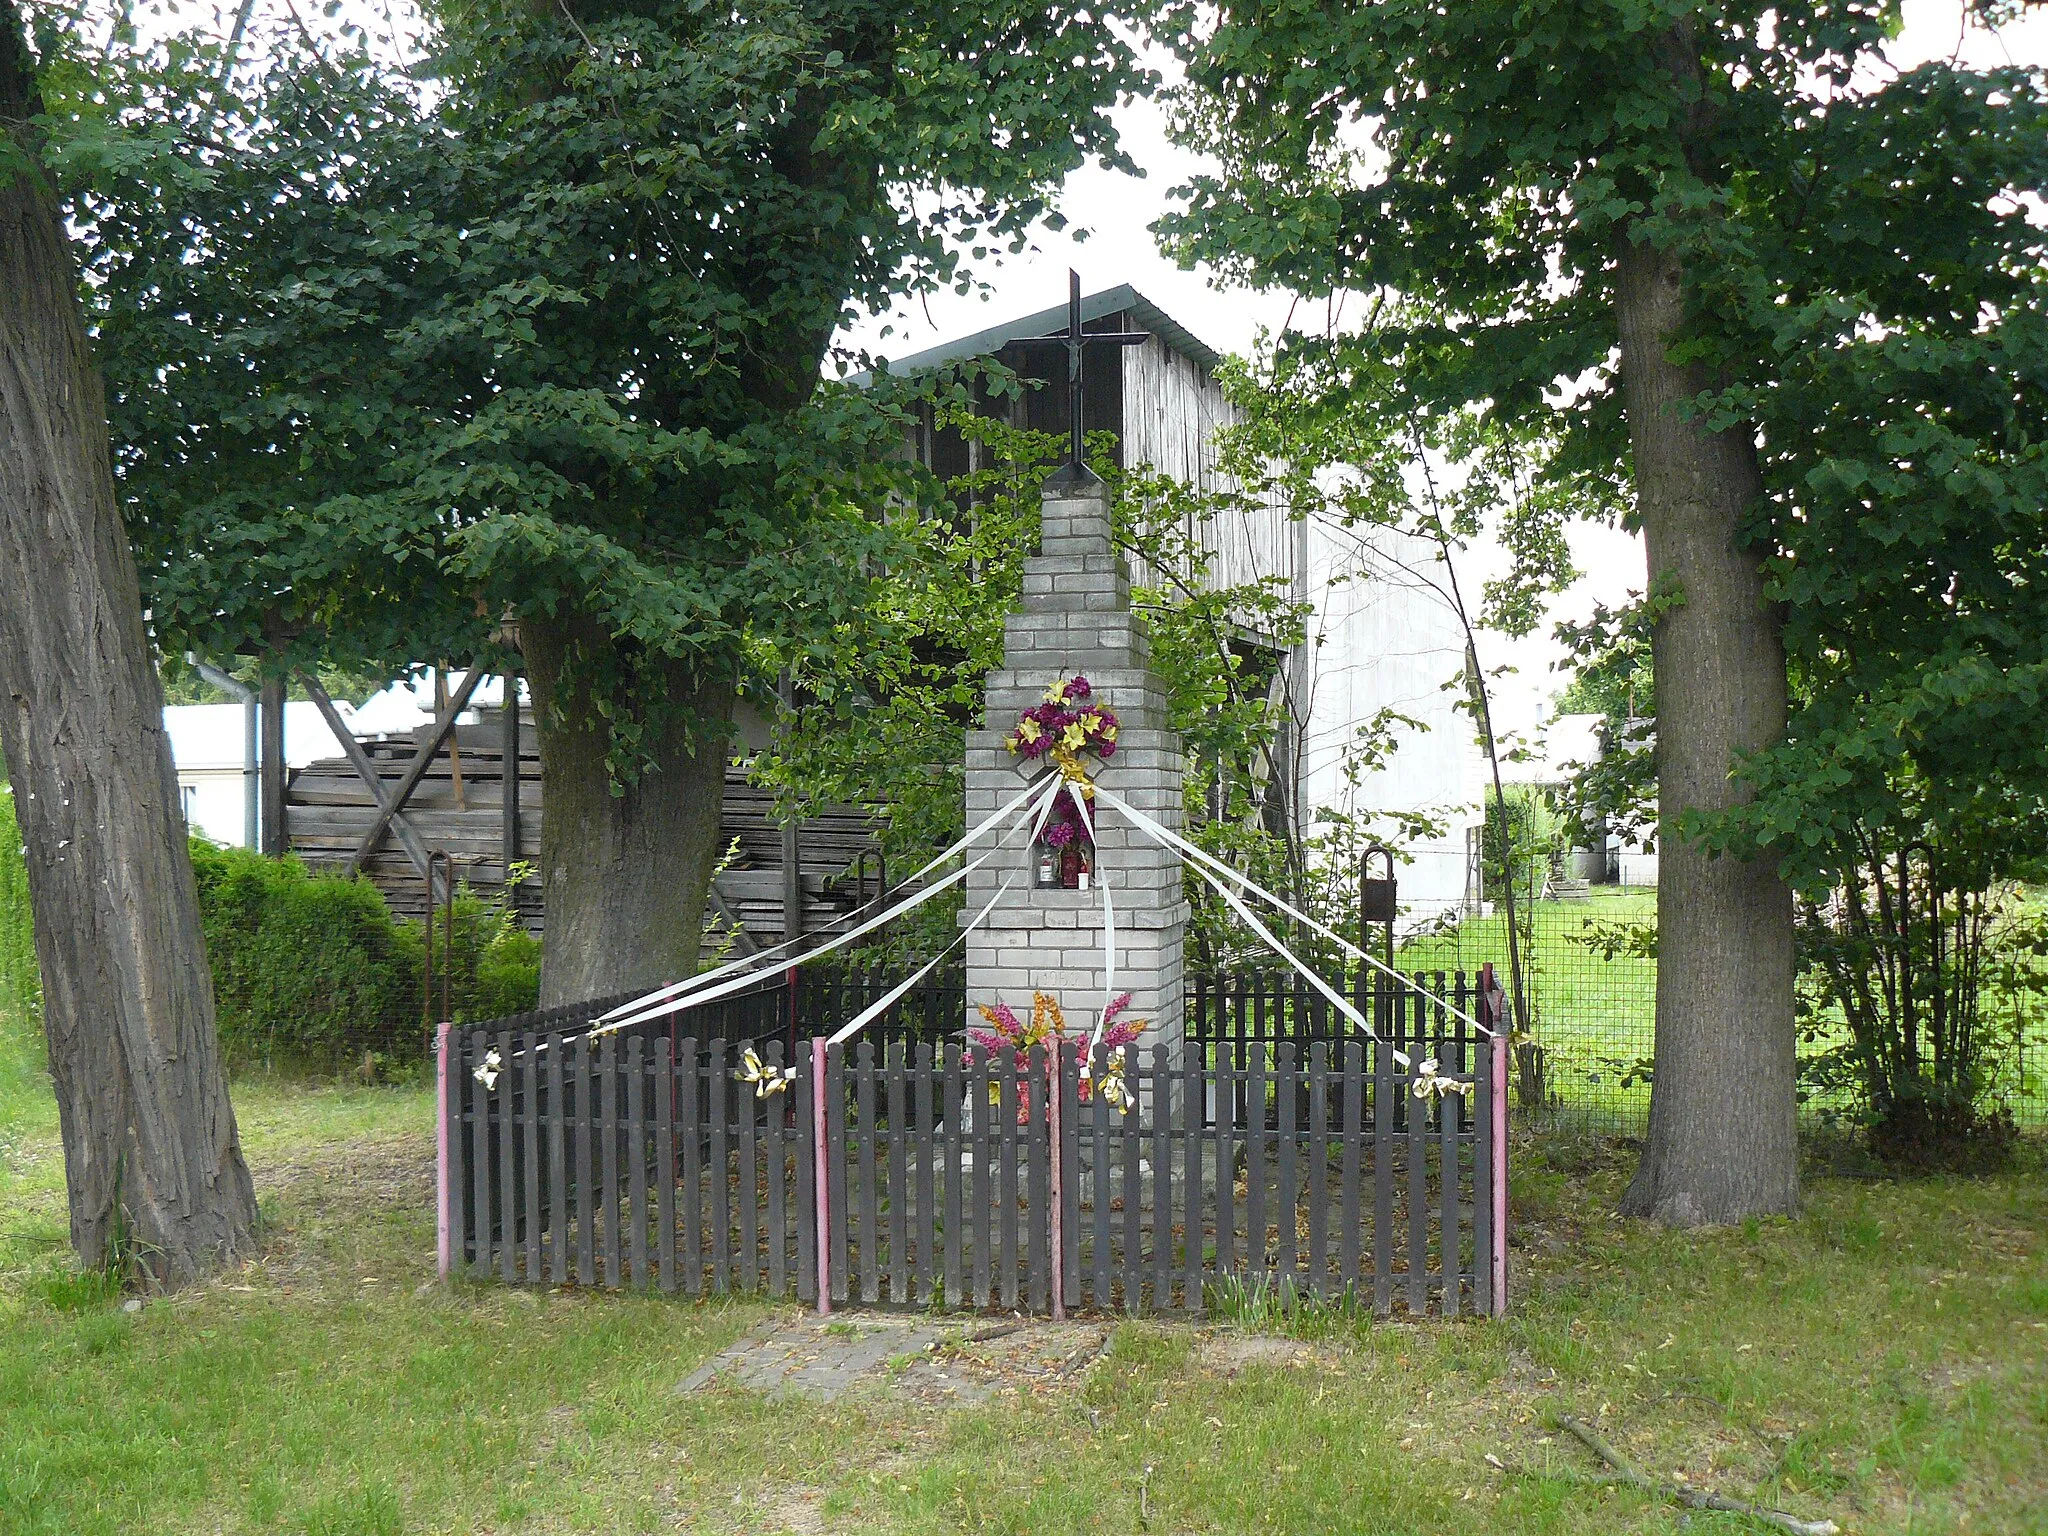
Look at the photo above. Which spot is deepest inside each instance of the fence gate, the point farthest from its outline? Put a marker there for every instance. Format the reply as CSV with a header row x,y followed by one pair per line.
x,y
909,1174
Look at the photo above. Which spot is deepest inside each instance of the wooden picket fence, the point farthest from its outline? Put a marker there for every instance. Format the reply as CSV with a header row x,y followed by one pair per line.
x,y
911,1173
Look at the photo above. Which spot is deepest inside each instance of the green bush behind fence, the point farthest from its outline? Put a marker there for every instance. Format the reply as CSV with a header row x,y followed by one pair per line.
x,y
309,970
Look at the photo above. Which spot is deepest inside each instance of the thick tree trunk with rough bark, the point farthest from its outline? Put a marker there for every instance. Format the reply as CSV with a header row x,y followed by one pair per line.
x,y
1723,1142
151,1155
624,871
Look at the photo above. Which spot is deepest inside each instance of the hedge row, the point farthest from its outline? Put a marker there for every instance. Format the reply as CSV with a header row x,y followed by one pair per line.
x,y
308,970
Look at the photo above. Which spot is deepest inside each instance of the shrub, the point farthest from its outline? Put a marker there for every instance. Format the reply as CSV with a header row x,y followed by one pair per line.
x,y
305,967
313,969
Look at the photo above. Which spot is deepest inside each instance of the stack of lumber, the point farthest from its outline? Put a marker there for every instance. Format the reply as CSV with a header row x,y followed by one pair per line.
x,y
458,806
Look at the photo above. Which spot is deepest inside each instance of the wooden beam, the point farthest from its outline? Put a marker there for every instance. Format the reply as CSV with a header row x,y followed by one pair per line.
x,y
408,839
415,770
749,945
276,839
509,757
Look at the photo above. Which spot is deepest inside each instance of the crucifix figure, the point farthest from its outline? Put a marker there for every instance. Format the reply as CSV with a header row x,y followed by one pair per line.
x,y
1075,341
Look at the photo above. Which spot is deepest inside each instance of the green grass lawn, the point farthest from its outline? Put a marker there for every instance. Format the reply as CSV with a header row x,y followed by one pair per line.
x,y
1882,1360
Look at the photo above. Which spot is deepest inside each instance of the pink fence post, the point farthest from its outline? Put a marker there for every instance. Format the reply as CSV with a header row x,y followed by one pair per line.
x,y
1058,1233
822,1213
1497,1107
444,1190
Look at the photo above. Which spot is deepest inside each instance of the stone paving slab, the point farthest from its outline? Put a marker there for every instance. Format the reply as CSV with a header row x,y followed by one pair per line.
x,y
820,1358
823,1359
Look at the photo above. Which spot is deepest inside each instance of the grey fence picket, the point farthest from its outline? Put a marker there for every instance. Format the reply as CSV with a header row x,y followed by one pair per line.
x,y
899,1175
747,1199
1193,1098
953,1090
530,1222
1100,1188
635,1084
1258,1257
665,1164
717,1081
1349,1061
925,1268
1007,1174
1383,1091
864,1111
608,1086
1418,1189
1226,1164
775,1175
803,1086
1482,1177
1162,1180
690,1096
585,1197
982,1205
839,1260
504,1104
1143,1091
1286,1094
558,1163
1449,1265
1316,1176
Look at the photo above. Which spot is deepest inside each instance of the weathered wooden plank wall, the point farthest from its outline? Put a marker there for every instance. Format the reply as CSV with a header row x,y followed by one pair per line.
x,y
330,808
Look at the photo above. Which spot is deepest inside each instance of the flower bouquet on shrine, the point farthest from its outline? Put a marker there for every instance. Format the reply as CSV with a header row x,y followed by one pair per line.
x,y
1048,1027
1066,725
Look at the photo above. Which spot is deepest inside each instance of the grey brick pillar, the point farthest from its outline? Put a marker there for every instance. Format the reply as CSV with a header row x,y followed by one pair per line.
x,y
1076,618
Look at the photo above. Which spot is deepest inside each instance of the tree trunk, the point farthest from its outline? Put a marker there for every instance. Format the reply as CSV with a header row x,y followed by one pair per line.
x,y
151,1158
624,869
1723,1142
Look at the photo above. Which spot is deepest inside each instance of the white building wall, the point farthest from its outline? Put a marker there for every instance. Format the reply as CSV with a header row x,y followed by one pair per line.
x,y
1381,639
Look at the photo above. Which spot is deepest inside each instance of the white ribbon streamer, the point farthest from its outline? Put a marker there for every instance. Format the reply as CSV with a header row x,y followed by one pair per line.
x,y
1206,862
847,1031
666,1002
1108,930
754,961
860,1021
1252,921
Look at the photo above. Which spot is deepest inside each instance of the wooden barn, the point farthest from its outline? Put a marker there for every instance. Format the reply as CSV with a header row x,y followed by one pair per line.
x,y
460,799
1160,397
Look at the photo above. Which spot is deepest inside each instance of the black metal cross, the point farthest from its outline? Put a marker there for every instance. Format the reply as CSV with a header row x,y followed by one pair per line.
x,y
1075,340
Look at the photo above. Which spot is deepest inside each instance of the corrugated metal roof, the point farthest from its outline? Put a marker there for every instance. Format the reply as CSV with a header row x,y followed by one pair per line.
x,y
1122,299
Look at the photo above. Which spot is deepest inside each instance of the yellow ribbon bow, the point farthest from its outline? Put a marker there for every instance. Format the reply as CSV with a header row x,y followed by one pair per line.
x,y
1429,1082
766,1079
1114,1090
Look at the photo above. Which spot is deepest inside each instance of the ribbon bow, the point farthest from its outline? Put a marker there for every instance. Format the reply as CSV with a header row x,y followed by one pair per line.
x,y
487,1074
1113,1089
766,1079
1430,1083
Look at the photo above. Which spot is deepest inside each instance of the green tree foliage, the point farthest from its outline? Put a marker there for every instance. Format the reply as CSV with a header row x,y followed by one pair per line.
x,y
1820,281
544,339
387,362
